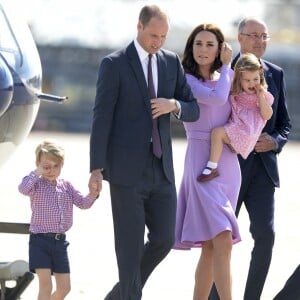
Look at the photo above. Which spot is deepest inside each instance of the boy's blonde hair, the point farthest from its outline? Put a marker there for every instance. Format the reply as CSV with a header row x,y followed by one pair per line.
x,y
247,62
51,149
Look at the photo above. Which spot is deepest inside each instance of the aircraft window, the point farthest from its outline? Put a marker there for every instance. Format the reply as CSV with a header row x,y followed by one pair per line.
x,y
8,45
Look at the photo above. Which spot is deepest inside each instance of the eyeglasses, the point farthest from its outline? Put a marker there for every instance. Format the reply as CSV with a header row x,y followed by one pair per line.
x,y
256,37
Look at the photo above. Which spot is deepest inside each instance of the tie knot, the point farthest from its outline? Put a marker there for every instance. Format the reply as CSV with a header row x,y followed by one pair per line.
x,y
150,57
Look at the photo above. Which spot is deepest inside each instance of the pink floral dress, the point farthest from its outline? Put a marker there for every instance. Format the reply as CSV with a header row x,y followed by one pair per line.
x,y
245,123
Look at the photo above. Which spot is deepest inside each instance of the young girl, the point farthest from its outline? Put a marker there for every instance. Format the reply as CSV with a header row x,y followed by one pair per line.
x,y
52,199
251,108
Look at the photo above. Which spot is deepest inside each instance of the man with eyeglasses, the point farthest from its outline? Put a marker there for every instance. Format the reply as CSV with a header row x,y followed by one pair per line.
x,y
257,37
260,171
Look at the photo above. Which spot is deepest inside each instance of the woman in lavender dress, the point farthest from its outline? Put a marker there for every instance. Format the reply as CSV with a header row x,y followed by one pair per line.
x,y
205,211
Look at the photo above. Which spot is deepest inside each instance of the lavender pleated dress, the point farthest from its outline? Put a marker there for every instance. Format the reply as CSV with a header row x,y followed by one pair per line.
x,y
208,208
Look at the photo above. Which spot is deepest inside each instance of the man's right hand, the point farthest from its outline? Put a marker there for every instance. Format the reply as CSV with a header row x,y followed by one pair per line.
x,y
95,182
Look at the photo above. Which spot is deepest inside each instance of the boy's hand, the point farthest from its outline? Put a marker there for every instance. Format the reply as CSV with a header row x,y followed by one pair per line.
x,y
39,170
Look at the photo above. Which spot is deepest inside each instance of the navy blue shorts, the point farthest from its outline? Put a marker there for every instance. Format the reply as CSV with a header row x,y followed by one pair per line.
x,y
46,252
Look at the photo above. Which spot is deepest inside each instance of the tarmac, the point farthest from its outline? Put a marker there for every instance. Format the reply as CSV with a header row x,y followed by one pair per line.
x,y
91,250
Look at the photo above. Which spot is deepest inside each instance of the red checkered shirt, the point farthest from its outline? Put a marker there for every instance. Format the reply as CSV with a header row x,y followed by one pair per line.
x,y
52,205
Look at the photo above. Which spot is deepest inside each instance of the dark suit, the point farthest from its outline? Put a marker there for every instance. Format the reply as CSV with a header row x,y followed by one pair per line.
x,y
291,289
259,179
142,187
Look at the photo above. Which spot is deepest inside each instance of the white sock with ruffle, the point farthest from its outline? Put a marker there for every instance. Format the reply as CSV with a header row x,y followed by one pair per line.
x,y
211,165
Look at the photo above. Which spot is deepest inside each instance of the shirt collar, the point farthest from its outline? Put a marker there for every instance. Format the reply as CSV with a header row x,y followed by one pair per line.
x,y
143,55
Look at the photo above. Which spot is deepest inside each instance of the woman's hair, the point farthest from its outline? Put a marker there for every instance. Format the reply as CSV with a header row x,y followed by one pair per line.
x,y
189,64
51,149
247,62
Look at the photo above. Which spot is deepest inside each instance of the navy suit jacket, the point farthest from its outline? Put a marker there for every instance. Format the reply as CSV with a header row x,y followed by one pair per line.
x,y
122,122
279,125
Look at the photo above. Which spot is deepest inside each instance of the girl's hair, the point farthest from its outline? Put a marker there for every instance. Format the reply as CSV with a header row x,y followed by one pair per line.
x,y
247,62
189,64
51,149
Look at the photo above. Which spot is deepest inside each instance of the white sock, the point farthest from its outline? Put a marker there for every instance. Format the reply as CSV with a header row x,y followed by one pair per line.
x,y
210,164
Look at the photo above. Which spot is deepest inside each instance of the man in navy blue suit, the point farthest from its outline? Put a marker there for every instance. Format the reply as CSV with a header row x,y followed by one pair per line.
x,y
291,289
134,90
260,171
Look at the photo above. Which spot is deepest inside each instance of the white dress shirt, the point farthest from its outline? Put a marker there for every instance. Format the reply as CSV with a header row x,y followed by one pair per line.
x,y
144,58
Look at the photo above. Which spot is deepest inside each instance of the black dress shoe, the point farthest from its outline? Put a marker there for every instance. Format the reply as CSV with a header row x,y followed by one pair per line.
x,y
206,177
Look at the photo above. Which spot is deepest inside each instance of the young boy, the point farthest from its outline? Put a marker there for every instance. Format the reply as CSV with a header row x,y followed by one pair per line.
x,y
52,200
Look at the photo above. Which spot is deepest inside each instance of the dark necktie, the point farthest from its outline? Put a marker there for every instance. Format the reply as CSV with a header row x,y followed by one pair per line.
x,y
155,133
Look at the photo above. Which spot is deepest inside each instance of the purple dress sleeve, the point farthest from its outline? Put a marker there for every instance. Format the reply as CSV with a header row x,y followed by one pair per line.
x,y
218,95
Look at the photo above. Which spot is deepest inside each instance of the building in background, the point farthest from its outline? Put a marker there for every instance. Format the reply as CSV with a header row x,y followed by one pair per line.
x,y
73,36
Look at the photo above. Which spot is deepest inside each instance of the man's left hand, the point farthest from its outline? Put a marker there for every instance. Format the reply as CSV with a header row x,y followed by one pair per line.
x,y
161,106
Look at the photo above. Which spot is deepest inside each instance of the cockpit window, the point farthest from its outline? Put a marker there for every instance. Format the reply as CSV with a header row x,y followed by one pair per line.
x,y
8,45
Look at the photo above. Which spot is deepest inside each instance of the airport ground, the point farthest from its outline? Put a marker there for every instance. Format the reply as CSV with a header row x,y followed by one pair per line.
x,y
91,250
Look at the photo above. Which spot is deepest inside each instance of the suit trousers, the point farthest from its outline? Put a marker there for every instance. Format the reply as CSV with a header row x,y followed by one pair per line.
x,y
291,289
257,194
150,203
